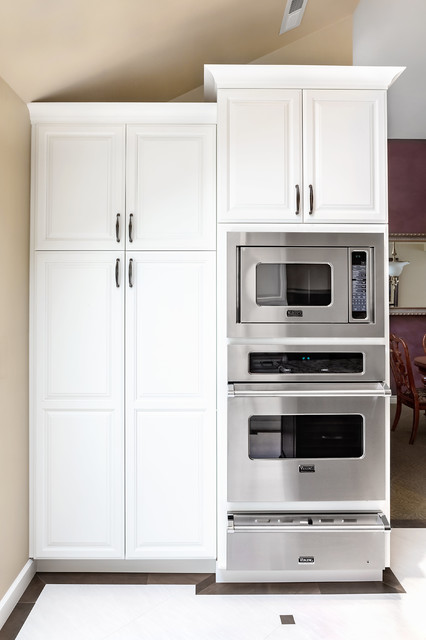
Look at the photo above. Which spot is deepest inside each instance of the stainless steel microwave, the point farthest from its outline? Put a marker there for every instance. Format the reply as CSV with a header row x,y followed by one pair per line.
x,y
305,284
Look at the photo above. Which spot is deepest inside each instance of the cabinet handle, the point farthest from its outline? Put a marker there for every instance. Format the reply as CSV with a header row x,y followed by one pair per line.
x,y
117,228
131,227
131,272
311,199
297,200
117,272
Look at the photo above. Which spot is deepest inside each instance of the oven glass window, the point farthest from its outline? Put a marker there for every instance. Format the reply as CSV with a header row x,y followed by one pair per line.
x,y
306,436
295,284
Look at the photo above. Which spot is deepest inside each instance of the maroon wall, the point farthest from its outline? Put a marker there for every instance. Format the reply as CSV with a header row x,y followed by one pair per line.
x,y
407,214
407,186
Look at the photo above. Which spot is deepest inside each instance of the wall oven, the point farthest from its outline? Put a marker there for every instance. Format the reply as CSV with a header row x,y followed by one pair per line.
x,y
306,426
291,442
305,284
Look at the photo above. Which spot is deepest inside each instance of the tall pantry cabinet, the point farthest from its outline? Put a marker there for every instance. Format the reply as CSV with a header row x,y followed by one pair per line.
x,y
123,331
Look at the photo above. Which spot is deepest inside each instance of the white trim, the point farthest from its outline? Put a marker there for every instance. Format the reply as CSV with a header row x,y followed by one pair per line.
x,y
129,566
123,112
15,591
264,76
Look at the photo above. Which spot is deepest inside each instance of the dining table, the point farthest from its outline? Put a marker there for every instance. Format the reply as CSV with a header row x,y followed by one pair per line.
x,y
420,363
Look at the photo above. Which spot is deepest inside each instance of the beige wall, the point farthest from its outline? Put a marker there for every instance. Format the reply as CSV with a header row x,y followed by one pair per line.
x,y
14,239
331,45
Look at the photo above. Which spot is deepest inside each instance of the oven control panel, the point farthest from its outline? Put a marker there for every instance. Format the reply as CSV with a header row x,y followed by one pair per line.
x,y
305,362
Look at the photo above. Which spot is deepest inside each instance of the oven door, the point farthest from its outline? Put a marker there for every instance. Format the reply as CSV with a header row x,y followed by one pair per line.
x,y
316,442
294,284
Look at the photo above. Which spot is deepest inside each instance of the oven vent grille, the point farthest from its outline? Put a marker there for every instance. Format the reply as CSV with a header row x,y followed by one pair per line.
x,y
293,14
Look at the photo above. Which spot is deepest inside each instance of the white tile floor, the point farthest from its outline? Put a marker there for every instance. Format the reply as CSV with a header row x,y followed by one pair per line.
x,y
162,612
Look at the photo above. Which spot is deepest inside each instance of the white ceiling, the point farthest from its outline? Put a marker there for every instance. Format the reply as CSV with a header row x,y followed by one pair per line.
x,y
139,50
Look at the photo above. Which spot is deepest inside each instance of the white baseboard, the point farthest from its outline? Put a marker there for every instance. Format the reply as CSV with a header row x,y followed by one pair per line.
x,y
129,566
15,591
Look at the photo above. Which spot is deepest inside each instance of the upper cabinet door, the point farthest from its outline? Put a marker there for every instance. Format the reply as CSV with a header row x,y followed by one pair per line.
x,y
171,187
78,186
344,135
259,155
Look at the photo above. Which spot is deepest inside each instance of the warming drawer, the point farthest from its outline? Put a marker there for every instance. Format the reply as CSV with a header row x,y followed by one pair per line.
x,y
301,542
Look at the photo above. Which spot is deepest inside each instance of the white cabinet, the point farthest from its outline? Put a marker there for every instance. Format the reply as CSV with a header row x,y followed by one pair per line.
x,y
104,184
87,196
171,187
78,186
170,405
344,142
263,176
259,155
77,378
80,389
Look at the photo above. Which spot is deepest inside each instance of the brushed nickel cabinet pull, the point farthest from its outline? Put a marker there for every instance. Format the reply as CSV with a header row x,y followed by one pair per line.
x,y
131,272
117,227
117,272
311,199
297,200
131,227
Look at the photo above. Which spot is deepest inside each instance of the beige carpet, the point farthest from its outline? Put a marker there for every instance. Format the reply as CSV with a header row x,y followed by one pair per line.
x,y
408,469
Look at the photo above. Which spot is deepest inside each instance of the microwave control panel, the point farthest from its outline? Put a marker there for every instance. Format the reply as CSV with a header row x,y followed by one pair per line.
x,y
359,285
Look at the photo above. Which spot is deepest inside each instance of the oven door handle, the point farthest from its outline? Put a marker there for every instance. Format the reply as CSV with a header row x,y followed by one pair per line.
x,y
236,390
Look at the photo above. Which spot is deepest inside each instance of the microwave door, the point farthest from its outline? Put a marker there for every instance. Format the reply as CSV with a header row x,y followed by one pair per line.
x,y
293,284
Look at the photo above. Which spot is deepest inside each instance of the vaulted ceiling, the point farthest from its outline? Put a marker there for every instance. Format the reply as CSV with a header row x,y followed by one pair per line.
x,y
140,50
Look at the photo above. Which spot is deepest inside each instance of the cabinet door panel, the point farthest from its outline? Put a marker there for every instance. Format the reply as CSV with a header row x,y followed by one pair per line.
x,y
78,186
171,500
170,329
170,414
80,485
79,325
259,155
78,364
345,155
171,186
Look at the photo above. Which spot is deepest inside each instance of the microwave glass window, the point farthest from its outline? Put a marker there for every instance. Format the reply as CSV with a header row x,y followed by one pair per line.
x,y
293,285
306,436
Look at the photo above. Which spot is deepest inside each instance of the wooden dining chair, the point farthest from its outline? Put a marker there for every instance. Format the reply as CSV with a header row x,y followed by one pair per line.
x,y
406,391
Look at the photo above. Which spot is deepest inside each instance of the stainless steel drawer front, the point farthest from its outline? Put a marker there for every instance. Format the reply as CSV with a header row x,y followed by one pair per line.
x,y
286,542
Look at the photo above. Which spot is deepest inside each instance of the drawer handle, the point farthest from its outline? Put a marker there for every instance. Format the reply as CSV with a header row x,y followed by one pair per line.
x,y
297,200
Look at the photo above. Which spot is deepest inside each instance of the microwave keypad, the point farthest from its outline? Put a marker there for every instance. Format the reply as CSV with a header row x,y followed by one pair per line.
x,y
359,285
